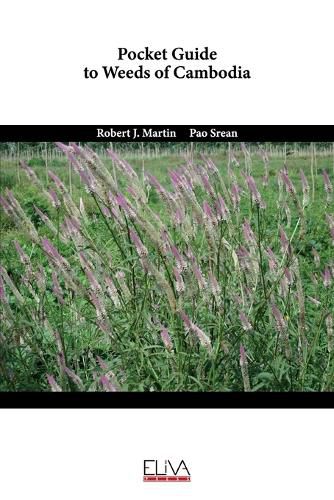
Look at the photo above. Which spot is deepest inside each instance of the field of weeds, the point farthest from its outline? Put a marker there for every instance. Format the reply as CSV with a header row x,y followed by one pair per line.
x,y
172,273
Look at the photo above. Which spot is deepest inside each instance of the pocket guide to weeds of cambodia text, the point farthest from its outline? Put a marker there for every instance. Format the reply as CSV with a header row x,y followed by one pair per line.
x,y
167,249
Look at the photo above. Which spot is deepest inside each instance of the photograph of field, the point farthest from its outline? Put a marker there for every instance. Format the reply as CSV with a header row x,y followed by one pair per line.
x,y
167,267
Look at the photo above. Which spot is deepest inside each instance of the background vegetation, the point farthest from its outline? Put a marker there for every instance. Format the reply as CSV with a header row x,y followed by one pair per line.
x,y
164,286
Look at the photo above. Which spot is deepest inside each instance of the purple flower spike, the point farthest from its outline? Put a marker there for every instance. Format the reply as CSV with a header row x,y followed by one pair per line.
x,y
285,243
248,232
287,182
235,196
57,289
326,277
51,250
103,364
256,197
180,262
179,281
243,359
3,297
5,205
186,320
305,183
206,184
57,181
23,257
244,321
223,212
54,199
207,210
327,182
106,384
93,283
280,321
63,147
140,248
199,276
53,384
167,341
124,204
122,164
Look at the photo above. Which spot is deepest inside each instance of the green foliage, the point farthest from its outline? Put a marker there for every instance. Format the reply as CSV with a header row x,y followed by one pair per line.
x,y
134,356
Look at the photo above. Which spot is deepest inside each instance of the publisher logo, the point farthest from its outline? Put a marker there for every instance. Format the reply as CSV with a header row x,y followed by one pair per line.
x,y
166,471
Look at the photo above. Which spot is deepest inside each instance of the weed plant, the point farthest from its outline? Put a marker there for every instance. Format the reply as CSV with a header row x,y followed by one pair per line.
x,y
194,277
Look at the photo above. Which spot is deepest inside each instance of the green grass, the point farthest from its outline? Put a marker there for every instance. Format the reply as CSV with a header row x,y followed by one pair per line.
x,y
134,353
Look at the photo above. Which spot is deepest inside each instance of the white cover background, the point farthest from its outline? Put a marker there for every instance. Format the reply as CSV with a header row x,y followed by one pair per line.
x,y
287,45
232,454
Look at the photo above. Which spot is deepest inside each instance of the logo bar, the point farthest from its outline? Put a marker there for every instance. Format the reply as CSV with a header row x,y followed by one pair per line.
x,y
166,478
